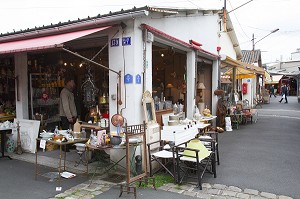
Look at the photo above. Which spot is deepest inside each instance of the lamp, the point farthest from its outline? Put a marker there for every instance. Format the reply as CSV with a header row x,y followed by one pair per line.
x,y
201,87
169,86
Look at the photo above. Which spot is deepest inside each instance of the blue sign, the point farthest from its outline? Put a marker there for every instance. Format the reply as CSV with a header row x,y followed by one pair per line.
x,y
128,79
126,41
248,80
114,42
138,79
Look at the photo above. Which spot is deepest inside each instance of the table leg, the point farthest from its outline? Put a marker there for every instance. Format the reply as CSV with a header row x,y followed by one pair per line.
x,y
65,157
87,160
59,166
36,159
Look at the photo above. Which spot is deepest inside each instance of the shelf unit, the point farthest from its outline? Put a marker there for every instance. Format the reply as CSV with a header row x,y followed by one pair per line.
x,y
44,98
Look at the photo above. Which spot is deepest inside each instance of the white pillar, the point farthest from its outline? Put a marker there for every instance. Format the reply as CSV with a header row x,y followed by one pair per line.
x,y
128,59
191,83
22,109
148,65
214,86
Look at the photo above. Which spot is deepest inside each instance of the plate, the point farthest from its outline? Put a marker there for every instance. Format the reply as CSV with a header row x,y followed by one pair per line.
x,y
134,140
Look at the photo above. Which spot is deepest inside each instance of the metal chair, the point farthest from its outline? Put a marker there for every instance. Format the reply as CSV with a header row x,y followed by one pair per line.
x,y
193,159
164,155
209,138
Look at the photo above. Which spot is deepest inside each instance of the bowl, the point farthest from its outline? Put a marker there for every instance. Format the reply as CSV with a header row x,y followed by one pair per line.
x,y
115,140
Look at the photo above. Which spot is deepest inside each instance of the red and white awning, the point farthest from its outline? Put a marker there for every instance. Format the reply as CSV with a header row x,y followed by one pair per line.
x,y
46,42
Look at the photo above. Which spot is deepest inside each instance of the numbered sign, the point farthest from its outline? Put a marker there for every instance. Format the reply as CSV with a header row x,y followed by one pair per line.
x,y
138,79
128,79
126,41
114,42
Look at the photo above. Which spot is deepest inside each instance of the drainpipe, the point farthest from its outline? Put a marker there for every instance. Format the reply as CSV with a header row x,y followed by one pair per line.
x,y
74,26
233,83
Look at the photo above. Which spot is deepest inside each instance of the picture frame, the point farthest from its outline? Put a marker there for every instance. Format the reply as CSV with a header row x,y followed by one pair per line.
x,y
136,144
149,108
29,131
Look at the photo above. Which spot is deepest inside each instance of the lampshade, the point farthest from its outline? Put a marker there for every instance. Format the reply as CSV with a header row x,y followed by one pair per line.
x,y
169,85
200,86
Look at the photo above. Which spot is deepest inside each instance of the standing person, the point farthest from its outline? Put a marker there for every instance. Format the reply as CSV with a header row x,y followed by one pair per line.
x,y
67,107
283,94
272,91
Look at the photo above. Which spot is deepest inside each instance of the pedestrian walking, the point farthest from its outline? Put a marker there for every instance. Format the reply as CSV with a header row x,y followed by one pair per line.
x,y
288,89
272,91
284,94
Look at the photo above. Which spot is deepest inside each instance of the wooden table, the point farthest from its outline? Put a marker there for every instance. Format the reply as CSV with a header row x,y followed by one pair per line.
x,y
7,117
60,144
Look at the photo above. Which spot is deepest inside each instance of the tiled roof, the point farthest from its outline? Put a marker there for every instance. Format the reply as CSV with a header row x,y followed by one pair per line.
x,y
249,56
75,21
99,16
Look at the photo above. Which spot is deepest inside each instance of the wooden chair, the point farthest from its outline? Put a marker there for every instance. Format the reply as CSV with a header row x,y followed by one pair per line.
x,y
258,101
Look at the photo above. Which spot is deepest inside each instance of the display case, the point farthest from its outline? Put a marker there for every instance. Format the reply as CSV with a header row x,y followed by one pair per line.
x,y
44,98
7,89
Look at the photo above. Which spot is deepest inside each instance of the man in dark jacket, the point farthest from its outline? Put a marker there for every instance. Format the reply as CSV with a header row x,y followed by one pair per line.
x,y
283,94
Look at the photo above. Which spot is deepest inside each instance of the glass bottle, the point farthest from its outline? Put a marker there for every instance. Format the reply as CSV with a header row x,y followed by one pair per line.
x,y
56,130
83,133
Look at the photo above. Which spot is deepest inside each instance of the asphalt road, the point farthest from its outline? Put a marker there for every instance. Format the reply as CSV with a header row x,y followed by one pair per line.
x,y
263,156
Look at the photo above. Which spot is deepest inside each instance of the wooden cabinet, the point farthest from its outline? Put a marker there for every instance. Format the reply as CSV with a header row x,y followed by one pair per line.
x,y
44,98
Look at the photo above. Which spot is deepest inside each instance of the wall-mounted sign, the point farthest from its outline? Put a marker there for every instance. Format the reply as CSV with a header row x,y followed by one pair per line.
x,y
128,79
248,80
138,79
126,41
114,42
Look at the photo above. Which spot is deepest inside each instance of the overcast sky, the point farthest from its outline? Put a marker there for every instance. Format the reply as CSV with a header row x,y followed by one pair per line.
x,y
259,17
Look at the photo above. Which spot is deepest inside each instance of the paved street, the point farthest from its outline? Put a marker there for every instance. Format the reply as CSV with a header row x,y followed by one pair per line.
x,y
258,160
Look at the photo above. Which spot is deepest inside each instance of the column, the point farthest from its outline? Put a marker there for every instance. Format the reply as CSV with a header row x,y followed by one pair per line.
x,y
21,71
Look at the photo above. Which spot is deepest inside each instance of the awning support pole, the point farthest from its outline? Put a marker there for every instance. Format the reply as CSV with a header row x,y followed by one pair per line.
x,y
91,61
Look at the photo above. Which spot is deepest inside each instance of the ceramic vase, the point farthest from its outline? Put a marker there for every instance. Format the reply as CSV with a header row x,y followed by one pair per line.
x,y
10,144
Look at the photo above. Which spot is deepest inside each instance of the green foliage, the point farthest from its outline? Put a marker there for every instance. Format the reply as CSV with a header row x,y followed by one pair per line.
x,y
160,180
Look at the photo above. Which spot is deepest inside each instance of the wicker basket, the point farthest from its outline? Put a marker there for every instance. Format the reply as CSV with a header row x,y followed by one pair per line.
x,y
51,147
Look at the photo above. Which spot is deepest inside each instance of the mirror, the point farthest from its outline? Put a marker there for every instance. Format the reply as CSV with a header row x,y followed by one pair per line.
x,y
149,109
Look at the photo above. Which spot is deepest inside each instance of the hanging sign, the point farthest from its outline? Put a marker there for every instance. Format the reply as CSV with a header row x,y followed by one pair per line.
x,y
126,41
114,42
138,79
128,79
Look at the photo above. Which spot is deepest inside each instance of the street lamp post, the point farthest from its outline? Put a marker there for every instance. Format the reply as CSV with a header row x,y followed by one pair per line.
x,y
253,43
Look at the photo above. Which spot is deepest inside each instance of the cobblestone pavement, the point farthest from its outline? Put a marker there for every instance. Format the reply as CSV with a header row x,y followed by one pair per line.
x,y
209,191
219,191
